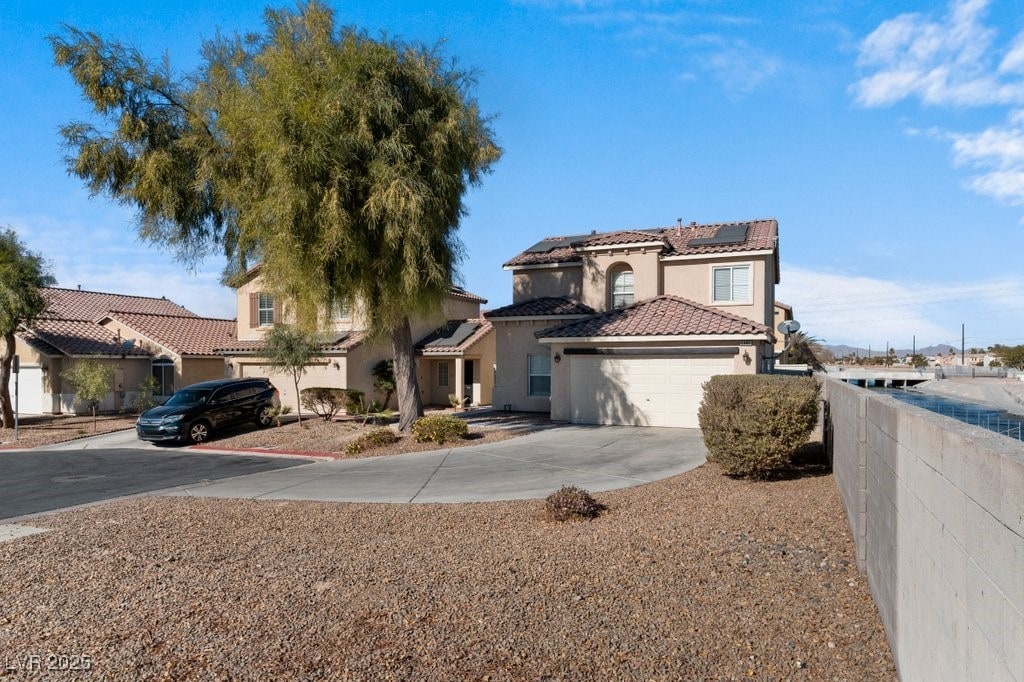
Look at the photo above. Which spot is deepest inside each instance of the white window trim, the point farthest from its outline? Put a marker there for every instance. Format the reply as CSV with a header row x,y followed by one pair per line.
x,y
443,373
341,311
530,375
611,288
711,284
260,308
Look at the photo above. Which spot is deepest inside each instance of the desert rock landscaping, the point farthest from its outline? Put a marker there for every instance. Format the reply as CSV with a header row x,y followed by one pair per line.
x,y
695,577
49,429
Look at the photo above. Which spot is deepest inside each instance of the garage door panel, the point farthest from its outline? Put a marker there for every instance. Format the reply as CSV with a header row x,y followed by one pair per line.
x,y
640,391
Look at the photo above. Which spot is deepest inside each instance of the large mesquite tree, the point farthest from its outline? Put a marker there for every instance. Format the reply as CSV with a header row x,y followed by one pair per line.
x,y
21,274
338,161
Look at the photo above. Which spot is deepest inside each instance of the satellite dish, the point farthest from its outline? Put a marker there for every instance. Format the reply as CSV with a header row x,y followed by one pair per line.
x,y
789,326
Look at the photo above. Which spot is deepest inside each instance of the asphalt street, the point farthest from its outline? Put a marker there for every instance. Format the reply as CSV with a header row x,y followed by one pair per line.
x,y
37,481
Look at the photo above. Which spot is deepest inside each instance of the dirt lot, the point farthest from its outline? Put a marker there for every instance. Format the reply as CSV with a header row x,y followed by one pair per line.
x,y
695,577
49,429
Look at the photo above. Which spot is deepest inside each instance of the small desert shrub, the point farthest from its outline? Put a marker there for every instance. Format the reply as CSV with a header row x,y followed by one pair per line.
x,y
371,439
570,502
280,411
323,402
754,423
353,401
439,428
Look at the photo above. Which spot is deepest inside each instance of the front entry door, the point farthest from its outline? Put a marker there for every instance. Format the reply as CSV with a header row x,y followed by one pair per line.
x,y
468,380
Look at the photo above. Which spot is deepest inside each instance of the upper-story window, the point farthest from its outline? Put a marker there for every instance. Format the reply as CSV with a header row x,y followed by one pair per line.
x,y
731,284
622,288
341,310
265,310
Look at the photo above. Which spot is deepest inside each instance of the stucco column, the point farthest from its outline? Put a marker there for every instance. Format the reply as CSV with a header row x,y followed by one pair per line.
x,y
460,381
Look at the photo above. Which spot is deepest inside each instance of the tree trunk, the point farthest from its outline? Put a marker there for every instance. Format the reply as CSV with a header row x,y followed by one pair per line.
x,y
298,399
94,406
410,405
6,358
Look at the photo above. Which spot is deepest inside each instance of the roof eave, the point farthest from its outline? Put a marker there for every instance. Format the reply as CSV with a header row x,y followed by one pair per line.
x,y
662,338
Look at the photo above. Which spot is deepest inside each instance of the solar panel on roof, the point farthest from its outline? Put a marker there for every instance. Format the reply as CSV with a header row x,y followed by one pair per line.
x,y
546,245
455,336
726,234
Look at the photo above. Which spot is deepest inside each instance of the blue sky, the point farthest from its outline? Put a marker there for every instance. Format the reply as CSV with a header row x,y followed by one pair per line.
x,y
886,138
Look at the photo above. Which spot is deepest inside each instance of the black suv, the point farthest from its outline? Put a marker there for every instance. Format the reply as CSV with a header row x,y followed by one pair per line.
x,y
191,414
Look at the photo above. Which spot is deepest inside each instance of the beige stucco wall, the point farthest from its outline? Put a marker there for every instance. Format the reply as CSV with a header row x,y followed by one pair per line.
x,y
128,374
530,284
328,372
692,279
596,265
452,309
194,370
514,342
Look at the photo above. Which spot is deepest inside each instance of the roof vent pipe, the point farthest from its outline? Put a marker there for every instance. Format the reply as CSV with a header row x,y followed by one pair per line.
x,y
79,287
679,227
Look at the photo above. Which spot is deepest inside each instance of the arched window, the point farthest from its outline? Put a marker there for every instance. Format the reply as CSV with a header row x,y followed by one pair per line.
x,y
163,372
621,287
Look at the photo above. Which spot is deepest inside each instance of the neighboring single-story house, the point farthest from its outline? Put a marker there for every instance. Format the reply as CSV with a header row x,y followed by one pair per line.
x,y
624,327
137,336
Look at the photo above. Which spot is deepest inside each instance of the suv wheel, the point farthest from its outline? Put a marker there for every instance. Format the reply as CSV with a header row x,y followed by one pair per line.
x,y
264,417
198,432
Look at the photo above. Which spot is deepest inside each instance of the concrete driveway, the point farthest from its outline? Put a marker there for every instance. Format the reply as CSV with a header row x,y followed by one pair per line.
x,y
593,457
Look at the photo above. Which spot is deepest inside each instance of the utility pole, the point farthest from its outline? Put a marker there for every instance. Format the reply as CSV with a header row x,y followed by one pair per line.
x,y
962,338
914,352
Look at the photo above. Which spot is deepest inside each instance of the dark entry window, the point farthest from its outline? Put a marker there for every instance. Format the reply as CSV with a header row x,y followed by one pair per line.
x,y
163,372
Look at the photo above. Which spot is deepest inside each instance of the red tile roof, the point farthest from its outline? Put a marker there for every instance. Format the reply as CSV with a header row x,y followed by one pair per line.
x,y
615,238
542,307
459,292
82,338
72,304
659,316
243,278
185,335
342,344
761,236
483,329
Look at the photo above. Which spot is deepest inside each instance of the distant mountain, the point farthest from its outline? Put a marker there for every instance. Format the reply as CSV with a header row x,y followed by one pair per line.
x,y
841,350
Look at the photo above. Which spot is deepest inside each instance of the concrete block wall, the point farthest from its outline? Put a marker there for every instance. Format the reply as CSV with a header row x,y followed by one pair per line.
x,y
936,508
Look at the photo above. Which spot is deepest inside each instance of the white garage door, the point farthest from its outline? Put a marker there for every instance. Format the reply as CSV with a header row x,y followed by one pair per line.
x,y
30,390
640,391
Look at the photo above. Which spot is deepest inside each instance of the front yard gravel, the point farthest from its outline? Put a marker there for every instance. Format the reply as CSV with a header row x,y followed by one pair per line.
x,y
695,577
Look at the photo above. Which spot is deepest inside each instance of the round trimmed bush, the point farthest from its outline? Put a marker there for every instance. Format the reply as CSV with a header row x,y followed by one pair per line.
x,y
753,424
439,428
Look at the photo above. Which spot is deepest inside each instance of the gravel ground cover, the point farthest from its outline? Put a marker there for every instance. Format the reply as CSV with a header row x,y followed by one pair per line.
x,y
318,436
699,576
50,429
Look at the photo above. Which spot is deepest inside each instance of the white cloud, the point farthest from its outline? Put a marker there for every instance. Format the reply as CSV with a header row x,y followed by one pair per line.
x,y
699,39
952,61
112,259
998,152
856,310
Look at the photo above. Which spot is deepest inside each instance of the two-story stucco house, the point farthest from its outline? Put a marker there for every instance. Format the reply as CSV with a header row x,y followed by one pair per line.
x,y
454,353
624,327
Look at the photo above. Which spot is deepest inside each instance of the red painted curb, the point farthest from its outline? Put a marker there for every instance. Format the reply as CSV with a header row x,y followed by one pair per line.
x,y
269,453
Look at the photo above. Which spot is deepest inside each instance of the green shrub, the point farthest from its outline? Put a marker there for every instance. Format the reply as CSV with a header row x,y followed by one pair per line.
x,y
754,423
374,438
353,401
145,400
570,502
439,428
323,402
